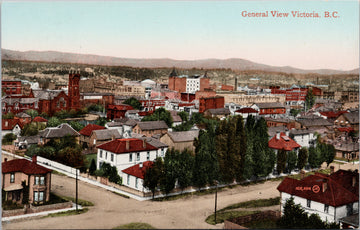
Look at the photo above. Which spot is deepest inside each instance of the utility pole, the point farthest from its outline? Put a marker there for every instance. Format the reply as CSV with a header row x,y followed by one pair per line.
x,y
216,184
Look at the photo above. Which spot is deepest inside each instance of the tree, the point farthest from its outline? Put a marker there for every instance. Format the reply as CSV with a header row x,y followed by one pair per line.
x,y
153,175
309,99
101,121
32,113
92,167
132,101
294,112
291,161
76,125
71,156
53,122
30,129
281,160
302,158
8,139
185,169
184,116
160,114
327,152
171,164
314,157
8,116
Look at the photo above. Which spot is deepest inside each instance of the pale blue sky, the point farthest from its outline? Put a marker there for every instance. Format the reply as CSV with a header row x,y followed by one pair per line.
x,y
188,30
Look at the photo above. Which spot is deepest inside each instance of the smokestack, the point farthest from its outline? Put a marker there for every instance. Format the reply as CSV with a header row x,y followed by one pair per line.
x,y
324,185
332,169
277,135
127,145
34,159
236,84
144,144
302,174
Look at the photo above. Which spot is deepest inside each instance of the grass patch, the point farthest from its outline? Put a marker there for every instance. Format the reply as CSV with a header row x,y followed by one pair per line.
x,y
125,196
222,216
88,159
135,226
254,204
184,195
67,213
81,202
297,176
58,173
262,224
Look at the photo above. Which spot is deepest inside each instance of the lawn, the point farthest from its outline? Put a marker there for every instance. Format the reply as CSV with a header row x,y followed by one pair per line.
x,y
254,204
135,226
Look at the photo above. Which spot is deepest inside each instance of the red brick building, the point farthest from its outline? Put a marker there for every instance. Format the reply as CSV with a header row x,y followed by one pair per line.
x,y
189,84
74,91
10,87
117,111
152,104
271,108
211,103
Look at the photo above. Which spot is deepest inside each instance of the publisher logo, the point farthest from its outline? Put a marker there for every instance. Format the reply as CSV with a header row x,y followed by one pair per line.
x,y
316,188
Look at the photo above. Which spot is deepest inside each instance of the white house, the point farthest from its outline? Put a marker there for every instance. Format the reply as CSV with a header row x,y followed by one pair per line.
x,y
133,176
303,137
124,153
330,196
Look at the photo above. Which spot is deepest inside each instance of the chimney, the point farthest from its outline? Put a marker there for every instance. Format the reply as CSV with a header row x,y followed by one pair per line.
x,y
141,165
324,185
34,159
5,159
353,180
112,137
127,145
277,135
144,144
332,169
287,132
302,174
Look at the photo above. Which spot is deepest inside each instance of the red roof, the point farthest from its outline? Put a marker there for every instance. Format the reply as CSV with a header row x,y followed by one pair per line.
x,y
246,110
332,114
9,124
119,146
338,191
345,129
284,142
39,119
138,172
143,113
86,131
23,165
120,107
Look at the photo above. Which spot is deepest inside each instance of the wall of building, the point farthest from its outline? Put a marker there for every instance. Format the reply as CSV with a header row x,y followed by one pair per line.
x,y
248,100
211,103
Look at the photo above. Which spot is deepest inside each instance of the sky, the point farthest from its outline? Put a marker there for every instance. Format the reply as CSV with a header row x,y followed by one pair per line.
x,y
189,30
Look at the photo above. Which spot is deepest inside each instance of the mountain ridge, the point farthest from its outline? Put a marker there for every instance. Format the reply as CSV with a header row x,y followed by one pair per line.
x,y
210,63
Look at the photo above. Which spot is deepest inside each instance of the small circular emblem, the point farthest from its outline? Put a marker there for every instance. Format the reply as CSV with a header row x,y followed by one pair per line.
x,y
316,188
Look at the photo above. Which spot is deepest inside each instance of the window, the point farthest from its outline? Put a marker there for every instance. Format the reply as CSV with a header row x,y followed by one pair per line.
x,y
137,156
112,157
308,203
162,152
36,196
148,156
41,196
128,179
105,155
326,208
136,182
12,178
36,180
100,153
42,180
130,157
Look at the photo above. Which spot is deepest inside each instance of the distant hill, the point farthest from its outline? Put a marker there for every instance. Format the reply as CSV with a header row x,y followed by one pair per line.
x,y
233,63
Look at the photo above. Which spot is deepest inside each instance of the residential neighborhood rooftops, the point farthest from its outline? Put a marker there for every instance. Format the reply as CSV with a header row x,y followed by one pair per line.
x,y
219,111
335,190
284,142
184,136
86,131
23,165
314,122
59,131
352,117
9,124
22,115
270,105
152,125
154,142
126,145
138,171
107,134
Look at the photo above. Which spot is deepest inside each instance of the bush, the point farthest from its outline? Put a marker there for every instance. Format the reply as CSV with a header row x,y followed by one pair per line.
x,y
8,139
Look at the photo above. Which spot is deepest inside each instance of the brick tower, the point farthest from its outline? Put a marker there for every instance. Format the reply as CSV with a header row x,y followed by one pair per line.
x,y
73,90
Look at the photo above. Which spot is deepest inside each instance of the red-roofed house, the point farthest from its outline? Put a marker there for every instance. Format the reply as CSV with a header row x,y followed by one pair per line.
x,y
117,111
282,141
11,126
245,112
123,153
133,176
40,119
85,141
330,196
37,177
331,114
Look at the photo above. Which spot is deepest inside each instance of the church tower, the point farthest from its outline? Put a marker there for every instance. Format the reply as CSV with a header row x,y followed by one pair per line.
x,y
73,90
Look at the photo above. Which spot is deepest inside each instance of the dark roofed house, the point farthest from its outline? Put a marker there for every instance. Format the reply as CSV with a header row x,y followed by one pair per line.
x,y
150,128
101,136
219,112
332,197
312,123
350,119
85,137
180,140
37,177
57,132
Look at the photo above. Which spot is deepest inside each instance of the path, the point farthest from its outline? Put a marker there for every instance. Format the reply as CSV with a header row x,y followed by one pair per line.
x,y
112,210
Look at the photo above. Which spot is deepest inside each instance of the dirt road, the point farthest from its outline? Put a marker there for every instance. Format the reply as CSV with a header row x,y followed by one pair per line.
x,y
111,210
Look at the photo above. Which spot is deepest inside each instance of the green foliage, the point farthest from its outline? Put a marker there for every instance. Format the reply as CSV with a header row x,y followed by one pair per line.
x,y
63,114
315,157
291,161
281,161
96,108
171,164
31,129
92,168
185,169
222,216
136,225
254,204
153,175
295,112
295,217
76,125
111,173
32,113
160,114
309,99
8,139
101,121
8,116
327,152
184,116
302,158
53,122
132,101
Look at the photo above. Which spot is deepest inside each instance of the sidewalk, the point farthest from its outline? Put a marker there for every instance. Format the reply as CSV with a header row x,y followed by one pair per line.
x,y
10,218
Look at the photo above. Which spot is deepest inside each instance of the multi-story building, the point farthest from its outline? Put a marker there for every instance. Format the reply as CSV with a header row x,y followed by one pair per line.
x,y
11,87
211,103
188,84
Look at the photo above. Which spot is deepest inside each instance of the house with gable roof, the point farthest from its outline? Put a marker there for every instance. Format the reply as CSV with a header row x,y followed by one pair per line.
x,y
150,128
180,140
283,141
133,177
37,177
102,136
332,197
350,119
57,132
85,136
11,126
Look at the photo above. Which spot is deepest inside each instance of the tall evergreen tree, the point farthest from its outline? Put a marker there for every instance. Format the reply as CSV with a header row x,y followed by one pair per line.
x,y
314,157
302,158
185,169
281,160
291,161
171,164
153,175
